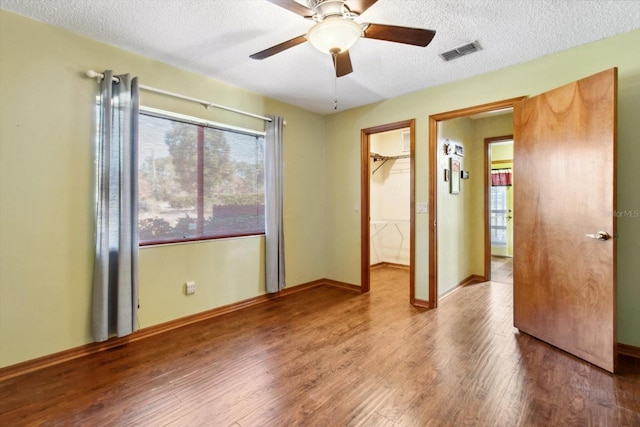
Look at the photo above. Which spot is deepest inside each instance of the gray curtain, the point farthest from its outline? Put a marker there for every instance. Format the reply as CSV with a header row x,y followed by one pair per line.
x,y
274,233
115,274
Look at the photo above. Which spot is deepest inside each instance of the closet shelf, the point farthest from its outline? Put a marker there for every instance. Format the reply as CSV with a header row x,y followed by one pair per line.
x,y
379,157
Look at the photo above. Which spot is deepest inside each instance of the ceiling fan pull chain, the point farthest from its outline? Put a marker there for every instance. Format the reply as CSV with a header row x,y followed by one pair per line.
x,y
334,56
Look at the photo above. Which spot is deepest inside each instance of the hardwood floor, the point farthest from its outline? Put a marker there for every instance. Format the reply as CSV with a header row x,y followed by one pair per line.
x,y
330,357
502,269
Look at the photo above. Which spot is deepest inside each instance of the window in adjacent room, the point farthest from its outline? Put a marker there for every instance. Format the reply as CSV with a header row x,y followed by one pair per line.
x,y
198,180
498,211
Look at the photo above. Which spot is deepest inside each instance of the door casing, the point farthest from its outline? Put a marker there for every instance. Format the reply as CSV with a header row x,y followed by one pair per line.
x,y
433,176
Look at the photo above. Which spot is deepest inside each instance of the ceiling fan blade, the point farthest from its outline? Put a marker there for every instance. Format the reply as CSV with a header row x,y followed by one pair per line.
x,y
359,6
293,6
278,48
392,33
342,63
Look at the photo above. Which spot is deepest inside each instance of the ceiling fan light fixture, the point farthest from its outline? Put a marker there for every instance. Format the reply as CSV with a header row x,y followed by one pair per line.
x,y
333,35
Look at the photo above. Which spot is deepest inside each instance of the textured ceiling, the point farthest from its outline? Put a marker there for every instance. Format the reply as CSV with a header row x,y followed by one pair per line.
x,y
216,37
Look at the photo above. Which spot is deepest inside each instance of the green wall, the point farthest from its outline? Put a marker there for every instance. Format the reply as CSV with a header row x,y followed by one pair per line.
x,y
47,172
455,211
540,75
47,109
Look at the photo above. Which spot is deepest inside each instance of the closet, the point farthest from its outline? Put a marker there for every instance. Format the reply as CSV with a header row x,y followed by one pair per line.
x,y
390,184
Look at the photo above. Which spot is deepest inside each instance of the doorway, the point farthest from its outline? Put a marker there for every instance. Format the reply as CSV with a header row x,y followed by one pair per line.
x,y
437,184
557,250
499,186
384,149
389,187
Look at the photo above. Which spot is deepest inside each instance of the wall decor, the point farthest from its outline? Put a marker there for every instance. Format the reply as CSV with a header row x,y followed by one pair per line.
x,y
447,147
454,176
458,150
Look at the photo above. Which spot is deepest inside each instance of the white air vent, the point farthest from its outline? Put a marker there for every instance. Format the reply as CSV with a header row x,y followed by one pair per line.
x,y
461,51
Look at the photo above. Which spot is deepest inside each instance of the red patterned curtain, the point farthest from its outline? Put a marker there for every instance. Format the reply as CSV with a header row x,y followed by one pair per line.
x,y
501,177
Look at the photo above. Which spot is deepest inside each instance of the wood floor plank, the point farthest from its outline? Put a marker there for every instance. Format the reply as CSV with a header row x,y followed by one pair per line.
x,y
328,356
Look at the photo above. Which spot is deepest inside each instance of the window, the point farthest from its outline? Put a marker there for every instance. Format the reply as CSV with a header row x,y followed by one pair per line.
x,y
498,208
197,180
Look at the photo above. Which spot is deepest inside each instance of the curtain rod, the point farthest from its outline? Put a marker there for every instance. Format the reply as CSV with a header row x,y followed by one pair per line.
x,y
206,104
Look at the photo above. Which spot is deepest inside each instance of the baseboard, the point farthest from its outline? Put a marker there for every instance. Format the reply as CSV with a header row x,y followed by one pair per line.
x,y
91,348
389,264
95,347
341,285
470,280
421,303
629,350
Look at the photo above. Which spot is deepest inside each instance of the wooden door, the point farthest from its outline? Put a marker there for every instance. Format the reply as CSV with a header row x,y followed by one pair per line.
x,y
564,162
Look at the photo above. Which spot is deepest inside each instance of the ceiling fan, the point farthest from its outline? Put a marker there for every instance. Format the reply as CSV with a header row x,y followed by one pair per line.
x,y
335,30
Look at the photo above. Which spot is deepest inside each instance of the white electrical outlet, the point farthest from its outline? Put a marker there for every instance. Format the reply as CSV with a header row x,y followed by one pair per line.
x,y
190,288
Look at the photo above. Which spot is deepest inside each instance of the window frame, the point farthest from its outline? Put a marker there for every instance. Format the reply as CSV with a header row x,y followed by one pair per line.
x,y
201,123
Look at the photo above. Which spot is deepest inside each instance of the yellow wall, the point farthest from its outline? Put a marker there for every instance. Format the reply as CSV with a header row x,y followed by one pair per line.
x,y
343,139
46,193
502,152
47,172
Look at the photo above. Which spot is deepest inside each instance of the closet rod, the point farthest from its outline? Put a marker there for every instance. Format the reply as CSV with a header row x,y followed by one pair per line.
x,y
376,157
206,104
